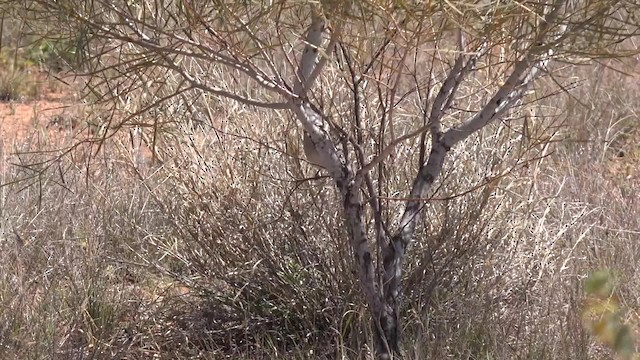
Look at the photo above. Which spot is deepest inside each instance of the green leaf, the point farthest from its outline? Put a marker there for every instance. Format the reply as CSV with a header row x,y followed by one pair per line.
x,y
600,283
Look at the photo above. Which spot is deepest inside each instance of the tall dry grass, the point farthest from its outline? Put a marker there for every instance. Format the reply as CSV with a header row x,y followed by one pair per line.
x,y
229,245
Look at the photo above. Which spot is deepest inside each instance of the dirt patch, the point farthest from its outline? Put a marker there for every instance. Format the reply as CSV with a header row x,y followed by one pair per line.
x,y
31,124
58,121
19,120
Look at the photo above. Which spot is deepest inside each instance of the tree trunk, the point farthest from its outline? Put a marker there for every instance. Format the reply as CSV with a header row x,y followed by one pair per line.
x,y
387,333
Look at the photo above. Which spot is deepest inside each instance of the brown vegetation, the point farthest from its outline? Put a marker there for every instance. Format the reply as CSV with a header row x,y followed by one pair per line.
x,y
222,243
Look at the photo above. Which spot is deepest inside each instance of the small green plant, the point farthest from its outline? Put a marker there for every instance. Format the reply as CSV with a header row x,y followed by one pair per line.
x,y
53,54
12,84
604,316
18,78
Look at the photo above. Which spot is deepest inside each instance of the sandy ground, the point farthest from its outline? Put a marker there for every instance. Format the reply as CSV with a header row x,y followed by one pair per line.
x,y
29,124
19,120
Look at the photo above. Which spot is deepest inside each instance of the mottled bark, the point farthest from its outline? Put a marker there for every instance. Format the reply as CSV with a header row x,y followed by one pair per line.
x,y
347,184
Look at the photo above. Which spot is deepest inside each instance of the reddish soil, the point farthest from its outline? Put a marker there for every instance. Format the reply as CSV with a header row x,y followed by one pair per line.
x,y
50,123
19,120
29,124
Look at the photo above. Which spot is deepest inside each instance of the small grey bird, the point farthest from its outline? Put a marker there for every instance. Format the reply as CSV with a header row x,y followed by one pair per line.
x,y
312,154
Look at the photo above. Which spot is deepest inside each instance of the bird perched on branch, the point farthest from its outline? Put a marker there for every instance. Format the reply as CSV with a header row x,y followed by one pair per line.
x,y
312,154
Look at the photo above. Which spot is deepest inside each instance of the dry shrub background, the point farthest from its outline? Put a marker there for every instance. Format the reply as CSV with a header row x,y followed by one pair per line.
x,y
225,243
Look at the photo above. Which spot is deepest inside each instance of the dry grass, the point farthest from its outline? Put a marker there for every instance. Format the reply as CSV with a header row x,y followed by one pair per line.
x,y
228,247
216,254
